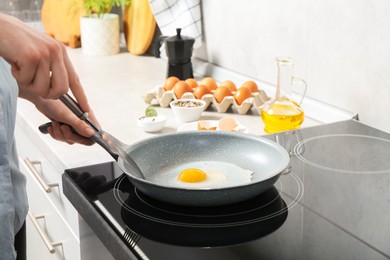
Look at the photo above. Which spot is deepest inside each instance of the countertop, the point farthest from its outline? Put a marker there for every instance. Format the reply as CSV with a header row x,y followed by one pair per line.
x,y
115,86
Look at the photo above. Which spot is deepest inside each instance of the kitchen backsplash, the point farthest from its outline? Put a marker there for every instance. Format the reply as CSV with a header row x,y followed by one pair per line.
x,y
341,47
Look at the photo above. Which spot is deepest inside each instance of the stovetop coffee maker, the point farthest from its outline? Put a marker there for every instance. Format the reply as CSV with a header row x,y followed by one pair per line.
x,y
179,51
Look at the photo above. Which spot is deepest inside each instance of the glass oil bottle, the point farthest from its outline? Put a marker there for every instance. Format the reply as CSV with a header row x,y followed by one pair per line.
x,y
283,113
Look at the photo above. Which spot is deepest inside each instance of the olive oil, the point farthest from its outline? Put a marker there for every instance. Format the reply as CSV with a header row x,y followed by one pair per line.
x,y
283,113
281,116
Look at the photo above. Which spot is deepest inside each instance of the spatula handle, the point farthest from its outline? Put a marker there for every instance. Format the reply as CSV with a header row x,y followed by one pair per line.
x,y
72,105
76,109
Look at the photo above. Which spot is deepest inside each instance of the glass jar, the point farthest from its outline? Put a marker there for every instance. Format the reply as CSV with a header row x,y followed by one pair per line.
x,y
283,113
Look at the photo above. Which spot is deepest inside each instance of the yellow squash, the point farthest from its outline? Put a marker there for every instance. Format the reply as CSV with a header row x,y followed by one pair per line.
x,y
139,25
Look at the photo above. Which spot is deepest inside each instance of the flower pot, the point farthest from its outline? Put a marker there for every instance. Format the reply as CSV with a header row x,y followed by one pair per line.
x,y
100,35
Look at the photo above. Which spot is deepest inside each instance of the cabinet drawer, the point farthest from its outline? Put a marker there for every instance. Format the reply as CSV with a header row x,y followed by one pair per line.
x,y
47,177
44,223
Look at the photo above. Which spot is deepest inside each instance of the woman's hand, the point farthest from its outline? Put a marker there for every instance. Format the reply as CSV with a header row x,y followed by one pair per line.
x,y
44,72
39,63
62,118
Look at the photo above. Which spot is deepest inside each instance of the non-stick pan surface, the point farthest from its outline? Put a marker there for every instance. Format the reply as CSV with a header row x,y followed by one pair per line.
x,y
264,157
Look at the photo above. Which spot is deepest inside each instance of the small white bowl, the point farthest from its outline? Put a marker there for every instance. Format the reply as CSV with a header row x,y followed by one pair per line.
x,y
188,110
152,124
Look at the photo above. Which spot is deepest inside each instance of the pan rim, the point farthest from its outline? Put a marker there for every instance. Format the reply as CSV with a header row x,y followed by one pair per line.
x,y
284,158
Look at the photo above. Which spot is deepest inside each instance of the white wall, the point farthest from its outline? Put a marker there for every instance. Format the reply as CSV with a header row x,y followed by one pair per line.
x,y
341,47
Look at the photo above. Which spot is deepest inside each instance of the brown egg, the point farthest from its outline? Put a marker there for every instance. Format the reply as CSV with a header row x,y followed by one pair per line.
x,y
209,82
201,90
251,85
180,88
192,82
221,92
170,83
242,94
230,84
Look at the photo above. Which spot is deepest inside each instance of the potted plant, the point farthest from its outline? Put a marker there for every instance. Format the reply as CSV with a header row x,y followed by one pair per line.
x,y
100,30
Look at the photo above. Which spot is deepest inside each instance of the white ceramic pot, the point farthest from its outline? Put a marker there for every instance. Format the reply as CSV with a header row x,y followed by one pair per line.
x,y
100,36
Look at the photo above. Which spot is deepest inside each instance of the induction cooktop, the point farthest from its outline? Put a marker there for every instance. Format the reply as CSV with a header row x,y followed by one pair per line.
x,y
333,203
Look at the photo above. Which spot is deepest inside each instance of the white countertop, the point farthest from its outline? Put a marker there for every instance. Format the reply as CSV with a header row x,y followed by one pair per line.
x,y
115,86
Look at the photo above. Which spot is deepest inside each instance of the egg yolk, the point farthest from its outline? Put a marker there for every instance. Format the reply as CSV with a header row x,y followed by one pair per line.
x,y
192,175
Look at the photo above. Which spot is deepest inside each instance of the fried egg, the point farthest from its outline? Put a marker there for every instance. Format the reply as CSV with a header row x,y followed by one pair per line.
x,y
203,175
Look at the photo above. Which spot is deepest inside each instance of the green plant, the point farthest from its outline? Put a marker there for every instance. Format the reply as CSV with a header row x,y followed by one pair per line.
x,y
100,7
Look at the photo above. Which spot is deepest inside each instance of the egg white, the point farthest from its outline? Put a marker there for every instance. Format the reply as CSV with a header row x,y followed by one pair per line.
x,y
219,175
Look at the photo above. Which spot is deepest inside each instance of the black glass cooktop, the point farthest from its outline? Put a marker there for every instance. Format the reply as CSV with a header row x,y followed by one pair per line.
x,y
333,204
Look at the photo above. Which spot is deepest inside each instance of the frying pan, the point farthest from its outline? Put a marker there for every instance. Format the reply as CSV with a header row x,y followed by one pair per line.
x,y
264,157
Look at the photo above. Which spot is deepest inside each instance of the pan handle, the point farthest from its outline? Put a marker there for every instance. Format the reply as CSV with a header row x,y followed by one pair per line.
x,y
97,137
44,130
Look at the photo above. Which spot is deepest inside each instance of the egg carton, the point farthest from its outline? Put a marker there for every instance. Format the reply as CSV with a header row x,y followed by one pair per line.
x,y
164,97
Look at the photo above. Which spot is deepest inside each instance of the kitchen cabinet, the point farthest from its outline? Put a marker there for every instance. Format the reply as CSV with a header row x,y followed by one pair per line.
x,y
52,221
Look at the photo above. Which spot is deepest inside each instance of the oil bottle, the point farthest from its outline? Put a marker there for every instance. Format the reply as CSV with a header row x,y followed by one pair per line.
x,y
282,113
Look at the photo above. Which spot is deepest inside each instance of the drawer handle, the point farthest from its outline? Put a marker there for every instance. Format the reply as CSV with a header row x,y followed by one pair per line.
x,y
46,186
50,245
